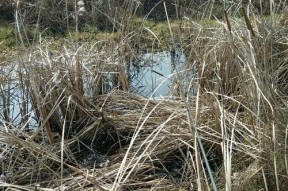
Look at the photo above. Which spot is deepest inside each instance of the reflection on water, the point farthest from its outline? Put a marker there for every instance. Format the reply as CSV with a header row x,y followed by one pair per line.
x,y
156,72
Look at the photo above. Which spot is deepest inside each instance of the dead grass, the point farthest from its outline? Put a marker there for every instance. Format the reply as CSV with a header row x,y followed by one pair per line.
x,y
63,128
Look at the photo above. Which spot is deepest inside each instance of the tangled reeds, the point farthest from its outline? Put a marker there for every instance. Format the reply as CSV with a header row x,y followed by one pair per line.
x,y
70,120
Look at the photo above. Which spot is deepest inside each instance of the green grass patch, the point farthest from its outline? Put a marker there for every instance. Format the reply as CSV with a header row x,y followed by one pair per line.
x,y
7,36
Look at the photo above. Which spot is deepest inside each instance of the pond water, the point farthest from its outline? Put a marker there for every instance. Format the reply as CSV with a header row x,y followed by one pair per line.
x,y
156,72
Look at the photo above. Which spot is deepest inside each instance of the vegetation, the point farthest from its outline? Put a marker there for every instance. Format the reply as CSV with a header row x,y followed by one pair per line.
x,y
71,120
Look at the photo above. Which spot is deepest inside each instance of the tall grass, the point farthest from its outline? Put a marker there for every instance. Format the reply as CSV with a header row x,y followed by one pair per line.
x,y
70,120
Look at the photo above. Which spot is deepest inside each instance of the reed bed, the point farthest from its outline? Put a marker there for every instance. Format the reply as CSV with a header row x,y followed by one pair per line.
x,y
70,119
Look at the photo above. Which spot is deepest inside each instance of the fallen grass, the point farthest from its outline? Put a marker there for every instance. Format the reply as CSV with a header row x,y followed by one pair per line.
x,y
63,128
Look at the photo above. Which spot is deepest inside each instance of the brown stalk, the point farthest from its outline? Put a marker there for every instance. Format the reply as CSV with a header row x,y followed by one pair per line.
x,y
227,20
123,78
42,114
78,77
248,22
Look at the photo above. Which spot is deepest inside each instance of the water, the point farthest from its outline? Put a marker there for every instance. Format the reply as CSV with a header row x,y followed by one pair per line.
x,y
156,73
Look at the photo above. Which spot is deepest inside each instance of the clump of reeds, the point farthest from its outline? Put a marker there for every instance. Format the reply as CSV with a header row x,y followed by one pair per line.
x,y
70,121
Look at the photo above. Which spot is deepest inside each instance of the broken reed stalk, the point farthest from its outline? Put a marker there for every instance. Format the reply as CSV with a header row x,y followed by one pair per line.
x,y
227,21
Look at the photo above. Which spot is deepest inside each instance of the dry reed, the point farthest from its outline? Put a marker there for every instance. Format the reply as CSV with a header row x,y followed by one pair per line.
x,y
73,132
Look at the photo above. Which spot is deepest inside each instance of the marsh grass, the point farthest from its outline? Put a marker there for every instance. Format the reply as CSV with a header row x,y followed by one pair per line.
x,y
79,126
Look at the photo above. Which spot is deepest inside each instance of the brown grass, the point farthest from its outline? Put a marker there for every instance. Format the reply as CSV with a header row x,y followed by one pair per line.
x,y
73,132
